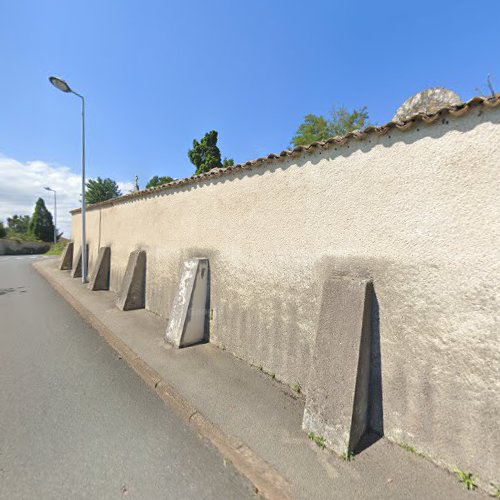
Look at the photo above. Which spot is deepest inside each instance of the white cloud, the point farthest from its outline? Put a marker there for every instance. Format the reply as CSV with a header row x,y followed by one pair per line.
x,y
125,187
21,184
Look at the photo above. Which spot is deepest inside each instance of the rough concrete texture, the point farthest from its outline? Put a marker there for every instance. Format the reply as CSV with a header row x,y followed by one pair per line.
x,y
77,263
189,317
13,247
416,211
133,288
261,413
338,392
99,279
66,262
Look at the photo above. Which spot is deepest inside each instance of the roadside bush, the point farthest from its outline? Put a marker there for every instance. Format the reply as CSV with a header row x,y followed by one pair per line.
x,y
12,235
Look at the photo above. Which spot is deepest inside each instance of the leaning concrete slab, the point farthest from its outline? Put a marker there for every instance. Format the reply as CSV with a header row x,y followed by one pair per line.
x,y
132,293
77,266
189,316
338,394
67,257
100,274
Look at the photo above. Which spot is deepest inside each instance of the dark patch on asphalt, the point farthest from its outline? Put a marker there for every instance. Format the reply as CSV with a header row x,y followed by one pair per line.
x,y
20,289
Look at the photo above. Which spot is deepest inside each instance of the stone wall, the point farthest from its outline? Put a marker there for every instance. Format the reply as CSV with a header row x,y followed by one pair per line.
x,y
415,211
14,247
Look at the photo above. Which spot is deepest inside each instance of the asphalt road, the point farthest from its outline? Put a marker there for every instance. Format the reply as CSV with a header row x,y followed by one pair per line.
x,y
77,422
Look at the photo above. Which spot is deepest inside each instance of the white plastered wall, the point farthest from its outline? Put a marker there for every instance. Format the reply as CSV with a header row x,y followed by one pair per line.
x,y
417,211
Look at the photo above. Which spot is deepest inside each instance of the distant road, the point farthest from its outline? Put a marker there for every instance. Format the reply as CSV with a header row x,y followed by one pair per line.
x,y
77,422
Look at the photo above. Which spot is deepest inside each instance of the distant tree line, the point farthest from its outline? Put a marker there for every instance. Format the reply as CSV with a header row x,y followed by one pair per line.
x,y
40,226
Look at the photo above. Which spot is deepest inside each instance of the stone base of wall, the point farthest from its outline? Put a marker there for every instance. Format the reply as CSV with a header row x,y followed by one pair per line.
x,y
14,247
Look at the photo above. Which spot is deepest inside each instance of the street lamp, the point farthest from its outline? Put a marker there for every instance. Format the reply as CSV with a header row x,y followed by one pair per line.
x,y
64,87
55,212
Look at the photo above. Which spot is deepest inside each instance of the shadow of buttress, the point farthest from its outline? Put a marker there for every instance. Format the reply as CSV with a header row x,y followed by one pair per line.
x,y
375,427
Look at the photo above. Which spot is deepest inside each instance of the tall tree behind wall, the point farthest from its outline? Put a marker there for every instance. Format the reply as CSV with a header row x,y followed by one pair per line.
x,y
158,181
205,154
318,128
101,190
41,225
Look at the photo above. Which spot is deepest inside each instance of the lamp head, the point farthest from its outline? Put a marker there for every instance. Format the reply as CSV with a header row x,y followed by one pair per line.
x,y
59,84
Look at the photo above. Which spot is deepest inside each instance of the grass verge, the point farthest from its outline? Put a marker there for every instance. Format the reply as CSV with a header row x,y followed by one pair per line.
x,y
56,248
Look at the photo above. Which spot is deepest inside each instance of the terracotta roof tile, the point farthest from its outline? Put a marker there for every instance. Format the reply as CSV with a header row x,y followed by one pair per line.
x,y
358,135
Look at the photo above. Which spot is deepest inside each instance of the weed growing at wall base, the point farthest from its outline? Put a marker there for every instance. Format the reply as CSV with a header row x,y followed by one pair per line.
x,y
261,369
319,440
348,456
466,478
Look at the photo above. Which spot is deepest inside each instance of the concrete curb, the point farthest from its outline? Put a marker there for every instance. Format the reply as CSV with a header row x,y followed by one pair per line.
x,y
268,483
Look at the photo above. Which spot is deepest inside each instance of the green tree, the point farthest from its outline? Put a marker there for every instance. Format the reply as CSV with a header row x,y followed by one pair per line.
x,y
19,224
314,128
41,224
3,232
101,190
158,181
205,154
341,122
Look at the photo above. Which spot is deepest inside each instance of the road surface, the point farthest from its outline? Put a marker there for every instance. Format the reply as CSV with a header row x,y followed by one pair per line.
x,y
77,422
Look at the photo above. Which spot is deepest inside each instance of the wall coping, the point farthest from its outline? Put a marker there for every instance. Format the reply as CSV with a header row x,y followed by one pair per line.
x,y
357,136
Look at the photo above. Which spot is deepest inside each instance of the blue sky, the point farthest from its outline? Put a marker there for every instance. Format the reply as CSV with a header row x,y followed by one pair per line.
x,y
157,74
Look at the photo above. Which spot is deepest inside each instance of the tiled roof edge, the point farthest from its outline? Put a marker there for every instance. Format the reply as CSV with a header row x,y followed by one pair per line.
x,y
358,135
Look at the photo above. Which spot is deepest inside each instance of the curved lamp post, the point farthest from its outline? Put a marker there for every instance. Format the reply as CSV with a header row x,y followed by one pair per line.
x,y
64,87
55,212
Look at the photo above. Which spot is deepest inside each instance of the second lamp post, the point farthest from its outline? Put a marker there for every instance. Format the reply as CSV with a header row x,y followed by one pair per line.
x,y
55,212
